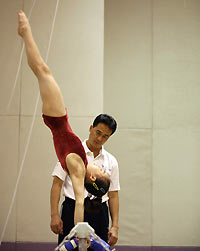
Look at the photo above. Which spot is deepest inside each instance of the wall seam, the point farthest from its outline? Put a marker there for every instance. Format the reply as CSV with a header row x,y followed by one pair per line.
x,y
152,122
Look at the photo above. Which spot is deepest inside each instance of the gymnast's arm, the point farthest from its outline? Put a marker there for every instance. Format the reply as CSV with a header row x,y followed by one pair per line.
x,y
56,222
77,174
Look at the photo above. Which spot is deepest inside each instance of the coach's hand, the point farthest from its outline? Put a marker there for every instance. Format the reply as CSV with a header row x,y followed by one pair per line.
x,y
56,224
113,236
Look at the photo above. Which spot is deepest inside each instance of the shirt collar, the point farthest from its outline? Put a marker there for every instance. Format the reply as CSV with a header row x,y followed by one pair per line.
x,y
87,150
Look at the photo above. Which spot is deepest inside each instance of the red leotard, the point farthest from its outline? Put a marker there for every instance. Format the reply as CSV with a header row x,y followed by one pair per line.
x,y
65,141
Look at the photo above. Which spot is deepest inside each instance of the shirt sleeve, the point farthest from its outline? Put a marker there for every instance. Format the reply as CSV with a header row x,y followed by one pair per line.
x,y
114,177
59,172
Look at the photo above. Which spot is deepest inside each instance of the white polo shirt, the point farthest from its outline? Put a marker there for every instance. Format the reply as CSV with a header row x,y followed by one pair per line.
x,y
106,160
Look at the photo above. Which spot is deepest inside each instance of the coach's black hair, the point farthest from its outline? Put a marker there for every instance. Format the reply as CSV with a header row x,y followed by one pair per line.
x,y
107,120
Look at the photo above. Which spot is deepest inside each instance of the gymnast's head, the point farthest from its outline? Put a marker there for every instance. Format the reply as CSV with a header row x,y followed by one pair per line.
x,y
97,183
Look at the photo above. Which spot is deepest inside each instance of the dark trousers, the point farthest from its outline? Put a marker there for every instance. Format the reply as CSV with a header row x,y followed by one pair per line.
x,y
98,221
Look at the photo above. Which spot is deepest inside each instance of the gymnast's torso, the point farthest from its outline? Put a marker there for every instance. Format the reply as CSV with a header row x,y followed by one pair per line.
x,y
65,141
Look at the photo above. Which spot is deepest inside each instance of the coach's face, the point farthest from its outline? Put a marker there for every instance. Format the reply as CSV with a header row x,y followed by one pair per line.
x,y
98,135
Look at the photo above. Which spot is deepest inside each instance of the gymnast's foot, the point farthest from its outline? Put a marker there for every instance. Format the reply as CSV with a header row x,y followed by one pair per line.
x,y
23,24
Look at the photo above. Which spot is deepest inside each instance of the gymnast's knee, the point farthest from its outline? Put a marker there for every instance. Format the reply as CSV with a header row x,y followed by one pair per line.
x,y
41,70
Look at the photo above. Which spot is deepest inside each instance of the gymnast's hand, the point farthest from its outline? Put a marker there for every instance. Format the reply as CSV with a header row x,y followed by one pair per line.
x,y
56,224
113,236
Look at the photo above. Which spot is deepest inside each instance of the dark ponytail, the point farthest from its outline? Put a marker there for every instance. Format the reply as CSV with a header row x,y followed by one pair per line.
x,y
92,206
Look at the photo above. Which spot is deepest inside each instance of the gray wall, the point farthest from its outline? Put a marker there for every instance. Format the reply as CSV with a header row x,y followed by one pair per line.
x,y
135,59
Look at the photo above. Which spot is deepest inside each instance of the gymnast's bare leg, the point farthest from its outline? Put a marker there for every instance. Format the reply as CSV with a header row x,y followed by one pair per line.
x,y
51,95
53,105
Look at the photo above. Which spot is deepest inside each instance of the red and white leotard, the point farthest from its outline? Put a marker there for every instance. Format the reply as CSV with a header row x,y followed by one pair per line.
x,y
65,141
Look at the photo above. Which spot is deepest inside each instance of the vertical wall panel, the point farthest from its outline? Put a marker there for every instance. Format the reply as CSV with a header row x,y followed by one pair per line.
x,y
132,148
128,97
9,138
9,120
127,62
176,149
176,63
9,53
176,203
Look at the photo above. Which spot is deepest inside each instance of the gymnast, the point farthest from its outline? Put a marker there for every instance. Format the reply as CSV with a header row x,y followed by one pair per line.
x,y
68,146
